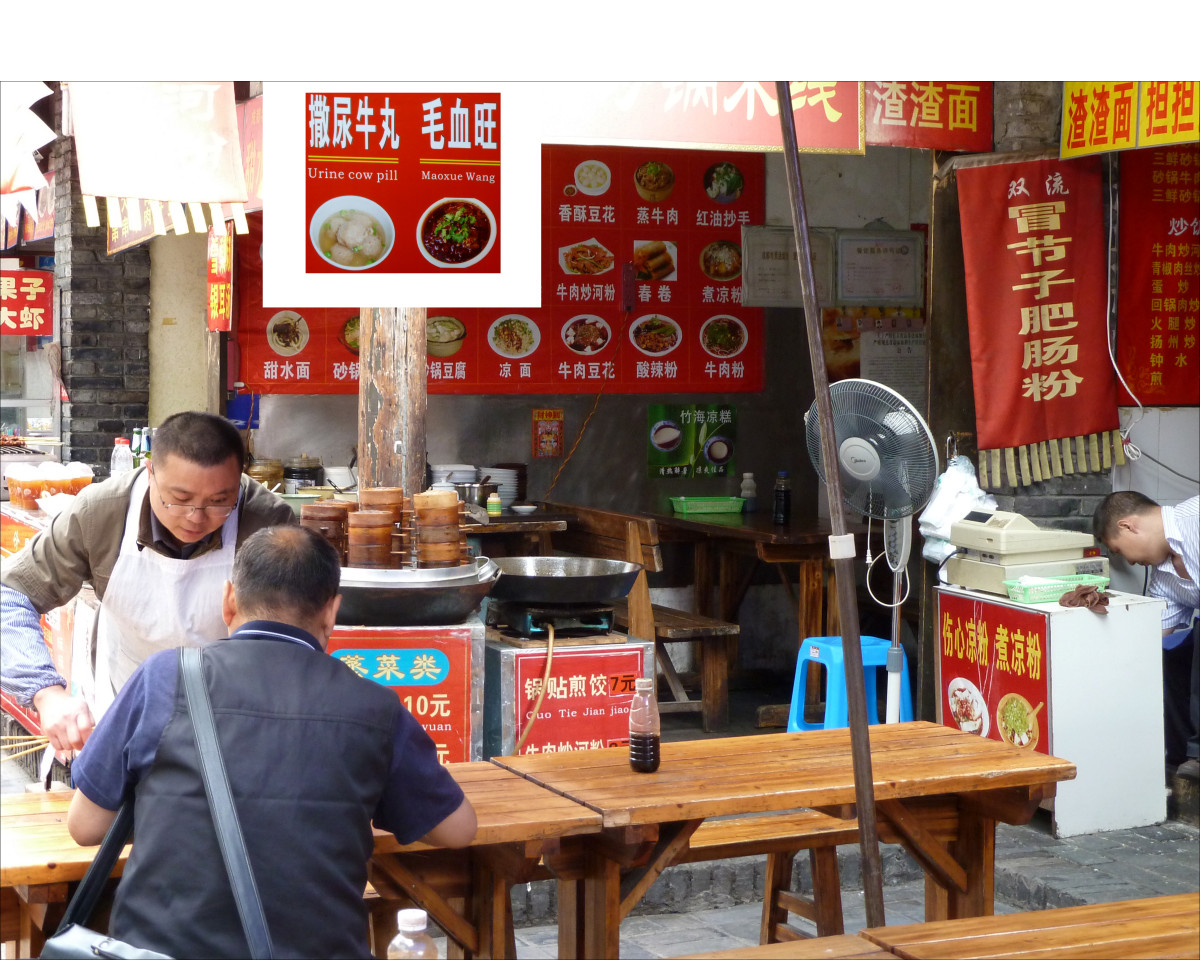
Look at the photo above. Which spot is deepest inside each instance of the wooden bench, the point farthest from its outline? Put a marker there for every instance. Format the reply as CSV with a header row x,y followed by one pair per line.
x,y
610,535
844,947
1153,927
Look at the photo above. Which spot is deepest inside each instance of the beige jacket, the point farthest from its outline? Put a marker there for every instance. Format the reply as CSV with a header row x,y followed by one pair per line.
x,y
81,544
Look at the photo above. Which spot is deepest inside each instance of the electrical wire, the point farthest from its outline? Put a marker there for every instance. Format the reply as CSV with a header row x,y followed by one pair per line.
x,y
545,683
907,584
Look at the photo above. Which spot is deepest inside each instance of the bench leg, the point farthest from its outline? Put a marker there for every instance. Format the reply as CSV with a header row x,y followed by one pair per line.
x,y
827,891
824,909
778,879
714,666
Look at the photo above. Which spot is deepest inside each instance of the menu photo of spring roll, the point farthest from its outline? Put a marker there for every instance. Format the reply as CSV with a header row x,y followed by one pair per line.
x,y
654,259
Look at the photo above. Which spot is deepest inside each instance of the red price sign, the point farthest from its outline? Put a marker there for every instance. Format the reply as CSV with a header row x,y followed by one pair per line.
x,y
430,670
26,303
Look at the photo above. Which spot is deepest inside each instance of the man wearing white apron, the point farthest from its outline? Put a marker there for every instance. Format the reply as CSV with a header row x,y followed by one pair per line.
x,y
157,545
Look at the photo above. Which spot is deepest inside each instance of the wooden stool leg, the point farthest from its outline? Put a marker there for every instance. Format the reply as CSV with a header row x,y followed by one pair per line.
x,y
778,878
827,891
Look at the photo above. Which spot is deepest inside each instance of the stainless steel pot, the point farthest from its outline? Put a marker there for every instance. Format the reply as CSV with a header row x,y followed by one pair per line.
x,y
563,579
408,598
476,493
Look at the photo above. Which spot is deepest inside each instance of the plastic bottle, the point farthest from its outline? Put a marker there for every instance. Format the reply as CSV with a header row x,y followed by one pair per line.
x,y
494,506
136,447
411,940
645,733
749,493
122,458
783,499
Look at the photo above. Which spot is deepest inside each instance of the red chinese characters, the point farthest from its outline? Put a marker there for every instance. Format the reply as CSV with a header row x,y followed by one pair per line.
x,y
26,303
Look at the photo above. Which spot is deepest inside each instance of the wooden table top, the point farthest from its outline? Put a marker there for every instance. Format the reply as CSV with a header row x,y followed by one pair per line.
x,y
1155,927
36,847
757,527
782,771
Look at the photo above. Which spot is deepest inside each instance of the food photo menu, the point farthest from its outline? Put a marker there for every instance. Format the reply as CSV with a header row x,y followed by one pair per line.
x,y
402,182
641,283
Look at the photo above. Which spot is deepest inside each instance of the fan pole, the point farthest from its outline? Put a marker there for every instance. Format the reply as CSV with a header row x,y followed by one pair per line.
x,y
843,566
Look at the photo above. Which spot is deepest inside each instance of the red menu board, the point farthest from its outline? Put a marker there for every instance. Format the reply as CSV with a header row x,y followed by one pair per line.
x,y
993,670
641,292
586,705
26,303
430,670
402,182
1158,302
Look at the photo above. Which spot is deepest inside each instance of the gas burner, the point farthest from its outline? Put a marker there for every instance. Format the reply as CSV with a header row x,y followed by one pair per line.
x,y
530,620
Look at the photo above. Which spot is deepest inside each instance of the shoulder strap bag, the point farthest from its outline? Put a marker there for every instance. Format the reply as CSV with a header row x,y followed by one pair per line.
x,y
74,941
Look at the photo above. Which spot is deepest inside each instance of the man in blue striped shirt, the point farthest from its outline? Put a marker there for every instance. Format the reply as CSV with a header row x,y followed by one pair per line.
x,y
1166,539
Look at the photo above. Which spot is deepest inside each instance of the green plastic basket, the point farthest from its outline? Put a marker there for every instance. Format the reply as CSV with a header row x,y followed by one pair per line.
x,y
1050,592
696,505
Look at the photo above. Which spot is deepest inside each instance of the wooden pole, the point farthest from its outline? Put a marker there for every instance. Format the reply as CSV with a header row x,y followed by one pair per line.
x,y
843,566
391,398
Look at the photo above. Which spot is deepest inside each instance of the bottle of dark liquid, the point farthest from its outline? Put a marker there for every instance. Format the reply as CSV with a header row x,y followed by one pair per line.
x,y
644,730
783,499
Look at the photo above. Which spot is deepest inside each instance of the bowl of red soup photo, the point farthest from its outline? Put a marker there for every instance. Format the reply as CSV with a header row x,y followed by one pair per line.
x,y
456,232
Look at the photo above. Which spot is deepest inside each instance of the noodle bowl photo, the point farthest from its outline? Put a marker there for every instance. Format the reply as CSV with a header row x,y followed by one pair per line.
x,y
456,232
352,233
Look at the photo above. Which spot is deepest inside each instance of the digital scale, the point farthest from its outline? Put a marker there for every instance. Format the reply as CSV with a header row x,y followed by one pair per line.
x,y
997,546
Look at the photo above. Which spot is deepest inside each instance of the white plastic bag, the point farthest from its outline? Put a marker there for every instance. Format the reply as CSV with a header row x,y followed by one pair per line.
x,y
957,493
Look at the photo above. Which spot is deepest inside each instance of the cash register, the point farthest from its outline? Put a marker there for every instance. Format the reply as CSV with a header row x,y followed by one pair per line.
x,y
994,546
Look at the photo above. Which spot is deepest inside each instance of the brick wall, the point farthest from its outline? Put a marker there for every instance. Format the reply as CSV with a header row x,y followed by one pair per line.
x,y
104,316
1027,114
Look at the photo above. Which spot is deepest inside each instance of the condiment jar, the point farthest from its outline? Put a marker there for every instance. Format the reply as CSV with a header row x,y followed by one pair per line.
x,y
268,472
493,505
302,471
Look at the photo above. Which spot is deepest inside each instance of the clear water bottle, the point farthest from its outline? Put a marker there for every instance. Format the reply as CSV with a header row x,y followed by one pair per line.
x,y
412,939
122,458
645,732
782,514
749,493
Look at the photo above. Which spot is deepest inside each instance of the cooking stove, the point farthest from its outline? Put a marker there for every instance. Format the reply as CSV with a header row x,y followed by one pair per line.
x,y
530,620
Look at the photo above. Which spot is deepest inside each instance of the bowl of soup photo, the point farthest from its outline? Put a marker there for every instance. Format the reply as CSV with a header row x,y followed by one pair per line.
x,y
456,232
352,233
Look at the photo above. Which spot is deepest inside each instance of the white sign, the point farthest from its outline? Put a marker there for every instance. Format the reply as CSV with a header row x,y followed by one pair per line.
x,y
770,275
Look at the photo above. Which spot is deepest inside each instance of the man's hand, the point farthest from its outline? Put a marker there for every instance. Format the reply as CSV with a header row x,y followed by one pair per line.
x,y
65,719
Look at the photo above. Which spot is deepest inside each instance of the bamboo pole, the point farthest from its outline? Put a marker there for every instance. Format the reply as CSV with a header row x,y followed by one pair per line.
x,y
856,697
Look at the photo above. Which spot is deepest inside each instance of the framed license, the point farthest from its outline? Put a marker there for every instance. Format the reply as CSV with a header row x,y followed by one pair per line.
x,y
884,267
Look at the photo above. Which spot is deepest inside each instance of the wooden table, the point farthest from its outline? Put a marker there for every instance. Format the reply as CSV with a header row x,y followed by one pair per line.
x,y
1155,927
939,791
466,892
513,535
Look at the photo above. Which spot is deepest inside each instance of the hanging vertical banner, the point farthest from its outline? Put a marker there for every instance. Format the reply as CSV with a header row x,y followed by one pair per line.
x,y
1036,277
40,227
691,440
548,427
1158,303
220,279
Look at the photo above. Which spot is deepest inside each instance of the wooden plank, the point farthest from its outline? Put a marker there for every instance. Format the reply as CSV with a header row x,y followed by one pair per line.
x,y
845,947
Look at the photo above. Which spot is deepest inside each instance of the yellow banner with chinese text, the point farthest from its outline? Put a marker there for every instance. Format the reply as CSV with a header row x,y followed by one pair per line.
x,y
1105,115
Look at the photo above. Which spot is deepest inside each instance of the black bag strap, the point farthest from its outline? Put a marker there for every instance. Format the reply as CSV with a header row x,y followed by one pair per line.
x,y
87,894
220,801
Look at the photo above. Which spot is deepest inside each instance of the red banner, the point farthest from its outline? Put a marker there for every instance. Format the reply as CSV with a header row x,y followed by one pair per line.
x,y
1036,271
26,303
586,705
673,218
40,227
930,114
430,670
422,170
995,671
250,131
1158,304
220,279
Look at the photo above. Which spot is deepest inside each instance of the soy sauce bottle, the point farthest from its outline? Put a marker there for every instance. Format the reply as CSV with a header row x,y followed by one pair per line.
x,y
645,734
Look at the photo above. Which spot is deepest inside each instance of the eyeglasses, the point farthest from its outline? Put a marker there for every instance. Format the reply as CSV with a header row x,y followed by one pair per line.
x,y
219,512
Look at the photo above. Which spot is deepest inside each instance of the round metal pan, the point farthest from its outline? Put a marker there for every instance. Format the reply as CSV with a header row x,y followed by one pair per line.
x,y
397,602
538,580
480,569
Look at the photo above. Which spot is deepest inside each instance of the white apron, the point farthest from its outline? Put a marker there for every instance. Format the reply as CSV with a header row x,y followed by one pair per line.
x,y
155,603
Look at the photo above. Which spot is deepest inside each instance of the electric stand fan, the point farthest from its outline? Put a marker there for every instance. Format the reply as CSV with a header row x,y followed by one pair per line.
x,y
889,468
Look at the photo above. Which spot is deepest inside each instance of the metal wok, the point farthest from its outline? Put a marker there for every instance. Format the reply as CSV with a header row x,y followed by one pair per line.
x,y
409,598
537,580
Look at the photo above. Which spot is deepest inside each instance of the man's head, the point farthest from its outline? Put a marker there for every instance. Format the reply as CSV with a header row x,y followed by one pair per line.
x,y
288,574
1130,525
197,463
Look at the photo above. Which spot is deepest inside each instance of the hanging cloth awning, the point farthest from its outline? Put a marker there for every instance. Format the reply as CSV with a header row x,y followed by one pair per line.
x,y
152,148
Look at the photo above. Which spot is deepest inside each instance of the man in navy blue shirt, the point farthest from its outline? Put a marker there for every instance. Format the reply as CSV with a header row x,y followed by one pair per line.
x,y
314,753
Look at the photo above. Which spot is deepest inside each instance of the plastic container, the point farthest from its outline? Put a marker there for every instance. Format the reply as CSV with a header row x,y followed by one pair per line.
x,y
749,493
689,505
493,505
645,732
782,512
412,938
302,471
268,472
1051,591
121,460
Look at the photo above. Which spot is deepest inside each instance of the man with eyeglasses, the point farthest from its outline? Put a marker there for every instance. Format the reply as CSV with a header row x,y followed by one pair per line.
x,y
156,544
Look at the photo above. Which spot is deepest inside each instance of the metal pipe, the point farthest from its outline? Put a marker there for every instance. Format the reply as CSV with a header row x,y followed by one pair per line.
x,y
856,697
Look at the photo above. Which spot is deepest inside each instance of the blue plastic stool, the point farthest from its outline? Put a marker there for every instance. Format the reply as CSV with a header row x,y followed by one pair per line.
x,y
828,651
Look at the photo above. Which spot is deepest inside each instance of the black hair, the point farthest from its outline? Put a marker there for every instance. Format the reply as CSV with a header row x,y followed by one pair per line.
x,y
284,573
202,438
1115,508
